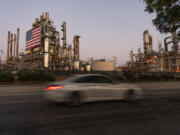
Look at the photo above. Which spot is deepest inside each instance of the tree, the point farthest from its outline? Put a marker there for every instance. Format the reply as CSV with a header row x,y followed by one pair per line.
x,y
167,16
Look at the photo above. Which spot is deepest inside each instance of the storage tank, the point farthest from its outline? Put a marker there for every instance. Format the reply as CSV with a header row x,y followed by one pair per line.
x,y
82,68
103,66
88,68
76,65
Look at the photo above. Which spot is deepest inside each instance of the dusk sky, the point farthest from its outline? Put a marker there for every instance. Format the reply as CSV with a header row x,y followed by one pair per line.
x,y
107,27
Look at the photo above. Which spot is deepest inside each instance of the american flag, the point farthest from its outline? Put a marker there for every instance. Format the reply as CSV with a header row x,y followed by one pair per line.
x,y
33,38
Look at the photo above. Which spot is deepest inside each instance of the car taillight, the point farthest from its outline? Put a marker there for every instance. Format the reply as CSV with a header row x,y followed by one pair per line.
x,y
53,87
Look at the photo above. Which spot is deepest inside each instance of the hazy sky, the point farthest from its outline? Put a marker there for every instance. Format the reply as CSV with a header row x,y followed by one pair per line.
x,y
107,27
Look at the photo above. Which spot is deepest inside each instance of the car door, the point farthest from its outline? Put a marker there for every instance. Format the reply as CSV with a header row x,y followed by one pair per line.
x,y
88,86
116,91
105,88
97,88
108,90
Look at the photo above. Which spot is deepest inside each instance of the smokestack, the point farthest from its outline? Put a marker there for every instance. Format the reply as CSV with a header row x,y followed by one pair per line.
x,y
47,17
17,44
41,18
11,42
9,36
37,21
76,47
14,53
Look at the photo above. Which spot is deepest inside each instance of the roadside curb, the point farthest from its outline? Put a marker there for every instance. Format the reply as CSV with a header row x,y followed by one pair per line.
x,y
18,85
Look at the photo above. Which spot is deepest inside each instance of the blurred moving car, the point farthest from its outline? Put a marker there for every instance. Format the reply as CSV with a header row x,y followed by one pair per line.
x,y
90,87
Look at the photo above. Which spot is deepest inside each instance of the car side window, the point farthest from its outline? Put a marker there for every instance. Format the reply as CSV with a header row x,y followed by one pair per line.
x,y
101,79
93,79
87,79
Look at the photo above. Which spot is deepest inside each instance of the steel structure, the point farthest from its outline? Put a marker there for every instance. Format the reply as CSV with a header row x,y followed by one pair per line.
x,y
13,47
164,60
45,51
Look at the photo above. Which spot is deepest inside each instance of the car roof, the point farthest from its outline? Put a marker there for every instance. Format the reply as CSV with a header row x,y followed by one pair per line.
x,y
84,75
77,76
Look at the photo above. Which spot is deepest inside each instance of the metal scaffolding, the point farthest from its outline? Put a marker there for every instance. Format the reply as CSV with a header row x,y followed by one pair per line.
x,y
164,60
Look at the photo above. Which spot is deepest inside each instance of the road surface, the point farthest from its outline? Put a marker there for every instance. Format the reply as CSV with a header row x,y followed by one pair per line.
x,y
23,111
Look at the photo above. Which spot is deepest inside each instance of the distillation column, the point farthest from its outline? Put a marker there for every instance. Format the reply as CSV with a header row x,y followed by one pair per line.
x,y
76,47
147,43
46,51
47,17
64,38
150,44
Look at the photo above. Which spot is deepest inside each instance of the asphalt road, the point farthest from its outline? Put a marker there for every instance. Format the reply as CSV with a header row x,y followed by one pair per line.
x,y
23,111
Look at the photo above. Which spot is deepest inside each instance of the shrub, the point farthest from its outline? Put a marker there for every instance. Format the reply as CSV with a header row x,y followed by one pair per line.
x,y
156,77
129,76
167,76
45,76
36,75
25,75
6,77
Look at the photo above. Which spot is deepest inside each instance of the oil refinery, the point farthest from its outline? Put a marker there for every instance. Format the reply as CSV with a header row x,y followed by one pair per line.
x,y
43,48
163,60
46,49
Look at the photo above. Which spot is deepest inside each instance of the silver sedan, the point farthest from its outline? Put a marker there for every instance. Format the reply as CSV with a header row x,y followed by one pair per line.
x,y
90,87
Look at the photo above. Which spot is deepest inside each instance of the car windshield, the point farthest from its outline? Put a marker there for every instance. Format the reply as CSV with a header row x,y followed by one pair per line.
x,y
93,79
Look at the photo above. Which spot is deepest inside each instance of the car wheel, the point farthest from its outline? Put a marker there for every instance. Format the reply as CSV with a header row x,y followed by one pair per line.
x,y
75,99
130,96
